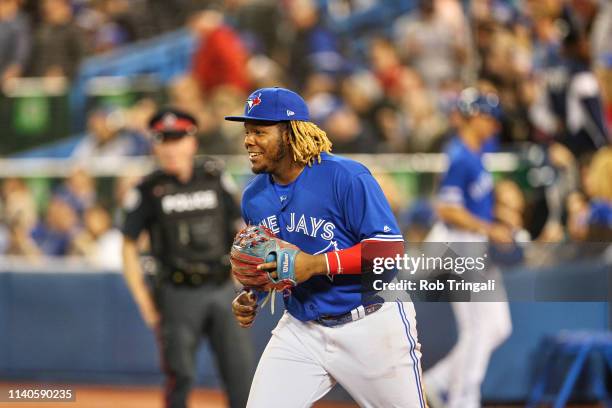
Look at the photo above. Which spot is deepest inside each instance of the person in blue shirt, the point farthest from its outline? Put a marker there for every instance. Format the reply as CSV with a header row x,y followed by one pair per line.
x,y
331,208
54,235
465,208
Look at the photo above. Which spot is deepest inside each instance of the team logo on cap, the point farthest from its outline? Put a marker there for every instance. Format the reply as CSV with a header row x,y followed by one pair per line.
x,y
253,102
169,120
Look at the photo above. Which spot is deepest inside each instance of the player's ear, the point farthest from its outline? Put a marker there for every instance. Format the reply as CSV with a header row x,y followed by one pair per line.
x,y
285,129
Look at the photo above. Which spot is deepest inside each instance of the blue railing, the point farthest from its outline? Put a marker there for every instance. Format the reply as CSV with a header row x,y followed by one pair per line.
x,y
164,57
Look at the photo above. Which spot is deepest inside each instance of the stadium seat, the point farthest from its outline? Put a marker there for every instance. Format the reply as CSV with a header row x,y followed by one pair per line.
x,y
580,347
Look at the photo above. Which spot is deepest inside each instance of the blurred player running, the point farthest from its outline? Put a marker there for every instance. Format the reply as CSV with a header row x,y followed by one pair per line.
x,y
465,207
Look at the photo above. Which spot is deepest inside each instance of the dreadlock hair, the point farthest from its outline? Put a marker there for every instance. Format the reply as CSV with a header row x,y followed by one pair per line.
x,y
307,141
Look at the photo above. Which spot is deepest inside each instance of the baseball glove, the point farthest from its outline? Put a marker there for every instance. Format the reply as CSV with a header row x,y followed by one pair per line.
x,y
255,245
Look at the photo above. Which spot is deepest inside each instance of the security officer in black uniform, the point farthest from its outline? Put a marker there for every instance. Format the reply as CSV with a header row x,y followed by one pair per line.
x,y
188,210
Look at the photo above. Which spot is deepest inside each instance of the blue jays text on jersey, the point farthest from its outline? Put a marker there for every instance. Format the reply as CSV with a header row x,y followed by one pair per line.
x,y
467,182
332,205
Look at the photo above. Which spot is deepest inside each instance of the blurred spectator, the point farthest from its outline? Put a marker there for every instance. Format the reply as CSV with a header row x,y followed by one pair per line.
x,y
391,190
599,188
319,83
221,57
108,137
387,67
362,92
185,93
505,70
111,23
314,48
605,79
601,46
259,23
429,43
510,207
424,120
389,128
19,218
54,235
99,242
5,237
573,97
225,138
546,32
265,72
58,42
15,41
585,13
79,191
214,135
346,132
171,15
137,117
121,190
114,27
352,18
577,206
509,210
565,180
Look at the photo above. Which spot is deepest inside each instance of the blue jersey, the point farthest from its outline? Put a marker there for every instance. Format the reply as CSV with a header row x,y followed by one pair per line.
x,y
600,214
332,205
467,183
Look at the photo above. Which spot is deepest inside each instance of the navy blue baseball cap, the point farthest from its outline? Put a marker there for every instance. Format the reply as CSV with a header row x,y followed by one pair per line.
x,y
273,105
472,102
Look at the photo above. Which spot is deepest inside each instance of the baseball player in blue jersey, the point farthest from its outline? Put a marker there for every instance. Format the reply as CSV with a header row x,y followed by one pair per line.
x,y
328,206
465,208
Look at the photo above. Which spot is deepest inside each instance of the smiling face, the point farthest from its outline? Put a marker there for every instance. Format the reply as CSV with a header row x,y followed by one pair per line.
x,y
267,145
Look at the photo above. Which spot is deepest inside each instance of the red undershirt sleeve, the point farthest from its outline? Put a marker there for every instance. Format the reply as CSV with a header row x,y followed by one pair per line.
x,y
349,261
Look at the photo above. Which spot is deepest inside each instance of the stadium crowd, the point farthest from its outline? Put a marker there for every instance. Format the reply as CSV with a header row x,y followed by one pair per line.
x,y
379,77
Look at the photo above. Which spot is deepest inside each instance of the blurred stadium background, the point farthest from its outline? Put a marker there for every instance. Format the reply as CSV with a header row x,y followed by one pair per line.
x,y
80,78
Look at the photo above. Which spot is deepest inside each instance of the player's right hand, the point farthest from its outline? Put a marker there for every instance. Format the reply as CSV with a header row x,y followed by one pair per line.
x,y
244,308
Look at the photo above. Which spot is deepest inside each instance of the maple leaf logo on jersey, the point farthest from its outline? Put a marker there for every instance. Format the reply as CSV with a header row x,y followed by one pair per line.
x,y
253,102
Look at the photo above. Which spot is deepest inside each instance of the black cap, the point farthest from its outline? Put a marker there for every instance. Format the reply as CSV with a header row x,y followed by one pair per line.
x,y
172,123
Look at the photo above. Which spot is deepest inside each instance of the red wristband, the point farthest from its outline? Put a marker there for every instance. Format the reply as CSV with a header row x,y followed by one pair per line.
x,y
344,262
348,261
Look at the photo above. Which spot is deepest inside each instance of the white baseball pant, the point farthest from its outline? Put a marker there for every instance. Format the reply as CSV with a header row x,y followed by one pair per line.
x,y
376,359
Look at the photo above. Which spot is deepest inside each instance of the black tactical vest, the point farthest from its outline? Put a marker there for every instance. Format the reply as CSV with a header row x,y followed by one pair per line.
x,y
190,232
